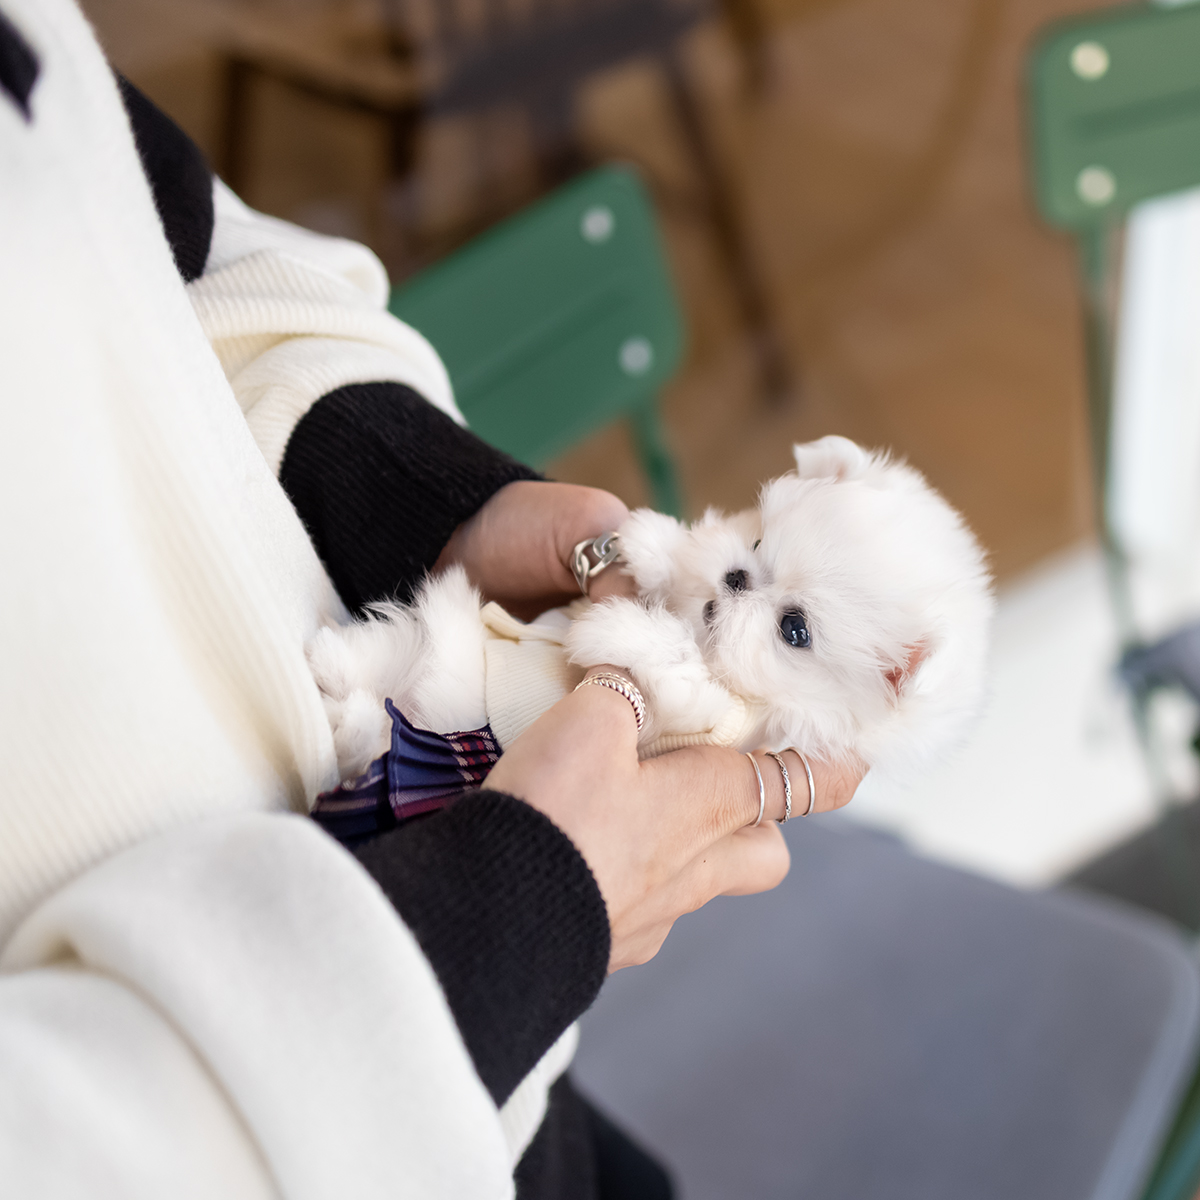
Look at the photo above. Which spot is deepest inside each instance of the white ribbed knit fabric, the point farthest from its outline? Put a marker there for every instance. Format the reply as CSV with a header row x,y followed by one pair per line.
x,y
292,316
200,994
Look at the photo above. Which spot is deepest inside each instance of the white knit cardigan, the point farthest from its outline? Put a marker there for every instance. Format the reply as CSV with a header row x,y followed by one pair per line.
x,y
200,993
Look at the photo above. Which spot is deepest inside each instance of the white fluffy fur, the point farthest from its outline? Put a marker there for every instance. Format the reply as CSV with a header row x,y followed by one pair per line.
x,y
426,657
890,581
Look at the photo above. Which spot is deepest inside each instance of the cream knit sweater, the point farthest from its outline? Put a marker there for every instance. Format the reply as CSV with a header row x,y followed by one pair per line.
x,y
200,994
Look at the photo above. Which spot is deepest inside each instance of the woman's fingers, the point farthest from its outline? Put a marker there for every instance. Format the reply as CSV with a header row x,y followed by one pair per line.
x,y
757,861
612,581
718,785
739,864
584,512
836,783
665,836
833,784
517,548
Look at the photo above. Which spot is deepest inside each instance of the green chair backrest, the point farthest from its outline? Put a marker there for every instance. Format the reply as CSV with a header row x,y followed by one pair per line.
x,y
1116,111
1114,107
558,320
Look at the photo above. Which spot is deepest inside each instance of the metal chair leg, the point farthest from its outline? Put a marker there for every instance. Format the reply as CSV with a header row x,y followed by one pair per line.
x,y
656,459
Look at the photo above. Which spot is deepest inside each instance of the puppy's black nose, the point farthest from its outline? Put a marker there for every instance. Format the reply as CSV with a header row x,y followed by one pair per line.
x,y
736,581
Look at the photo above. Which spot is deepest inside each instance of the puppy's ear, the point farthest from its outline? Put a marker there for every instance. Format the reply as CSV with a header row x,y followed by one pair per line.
x,y
830,458
900,675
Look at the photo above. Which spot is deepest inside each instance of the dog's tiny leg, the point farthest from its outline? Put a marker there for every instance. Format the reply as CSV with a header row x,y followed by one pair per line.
x,y
334,665
660,652
361,732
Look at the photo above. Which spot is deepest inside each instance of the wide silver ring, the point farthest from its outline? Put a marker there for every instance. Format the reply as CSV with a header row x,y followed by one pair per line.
x,y
605,550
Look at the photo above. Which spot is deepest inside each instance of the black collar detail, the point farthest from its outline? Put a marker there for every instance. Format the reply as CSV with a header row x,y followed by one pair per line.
x,y
19,66
178,176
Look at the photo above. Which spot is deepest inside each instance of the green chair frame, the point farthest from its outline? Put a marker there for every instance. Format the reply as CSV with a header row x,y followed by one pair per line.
x,y
1114,107
557,322
1115,114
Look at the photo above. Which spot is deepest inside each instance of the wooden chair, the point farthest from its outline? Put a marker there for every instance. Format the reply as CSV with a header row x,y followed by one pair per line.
x,y
409,61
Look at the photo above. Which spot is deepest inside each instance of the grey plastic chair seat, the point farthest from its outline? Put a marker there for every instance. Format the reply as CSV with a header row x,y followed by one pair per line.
x,y
882,1027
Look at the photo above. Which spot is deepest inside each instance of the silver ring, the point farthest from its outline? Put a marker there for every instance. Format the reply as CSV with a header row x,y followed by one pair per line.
x,y
812,788
787,787
762,792
623,687
606,548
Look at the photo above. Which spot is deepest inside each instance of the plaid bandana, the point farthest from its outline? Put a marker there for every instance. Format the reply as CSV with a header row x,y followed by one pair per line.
x,y
422,772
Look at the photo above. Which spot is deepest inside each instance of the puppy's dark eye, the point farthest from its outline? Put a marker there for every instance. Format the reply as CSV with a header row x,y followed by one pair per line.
x,y
757,543
794,629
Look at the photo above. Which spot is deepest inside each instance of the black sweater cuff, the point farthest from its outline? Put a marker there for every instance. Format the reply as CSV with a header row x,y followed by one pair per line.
x,y
381,480
509,915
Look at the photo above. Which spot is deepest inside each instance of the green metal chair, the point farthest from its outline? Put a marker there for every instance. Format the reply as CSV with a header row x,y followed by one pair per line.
x,y
559,321
1114,104
1177,1176
1115,109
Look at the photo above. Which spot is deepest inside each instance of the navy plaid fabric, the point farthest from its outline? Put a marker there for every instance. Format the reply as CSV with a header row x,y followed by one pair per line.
x,y
422,772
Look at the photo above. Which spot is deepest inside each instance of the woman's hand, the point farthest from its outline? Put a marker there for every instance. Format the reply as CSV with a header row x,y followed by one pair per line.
x,y
517,548
661,837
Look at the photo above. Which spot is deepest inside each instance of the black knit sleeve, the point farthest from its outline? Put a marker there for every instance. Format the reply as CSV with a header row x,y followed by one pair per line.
x,y
381,479
509,916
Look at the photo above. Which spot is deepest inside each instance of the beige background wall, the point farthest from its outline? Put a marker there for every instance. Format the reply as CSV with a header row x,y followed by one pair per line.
x,y
881,177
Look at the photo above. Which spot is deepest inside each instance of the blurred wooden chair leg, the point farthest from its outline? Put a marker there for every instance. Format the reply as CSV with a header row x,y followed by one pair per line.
x,y
236,86
560,157
395,209
746,25
774,372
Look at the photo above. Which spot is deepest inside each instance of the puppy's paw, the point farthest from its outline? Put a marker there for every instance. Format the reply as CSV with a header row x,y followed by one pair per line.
x,y
627,632
650,542
659,651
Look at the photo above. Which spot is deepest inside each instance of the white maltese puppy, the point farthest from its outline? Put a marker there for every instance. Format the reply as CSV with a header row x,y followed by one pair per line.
x,y
847,615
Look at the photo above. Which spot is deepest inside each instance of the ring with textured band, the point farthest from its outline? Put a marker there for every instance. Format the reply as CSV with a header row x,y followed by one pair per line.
x,y
787,786
623,687
593,555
